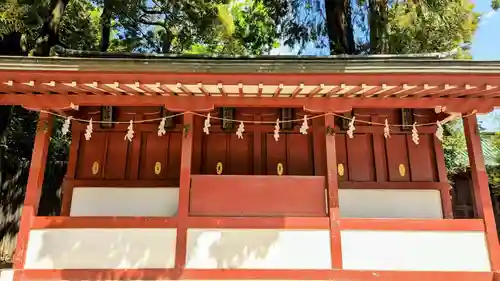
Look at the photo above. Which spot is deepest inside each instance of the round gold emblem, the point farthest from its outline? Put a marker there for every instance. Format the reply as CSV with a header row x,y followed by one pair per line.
x,y
402,170
340,169
95,168
219,168
279,169
157,168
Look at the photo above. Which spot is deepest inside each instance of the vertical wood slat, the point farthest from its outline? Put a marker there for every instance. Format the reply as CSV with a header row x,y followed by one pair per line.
x,y
446,200
379,152
135,154
333,196
319,147
184,187
481,188
257,147
33,188
67,189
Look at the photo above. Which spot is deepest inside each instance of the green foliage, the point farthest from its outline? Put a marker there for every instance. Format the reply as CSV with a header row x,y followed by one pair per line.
x,y
431,26
495,4
454,145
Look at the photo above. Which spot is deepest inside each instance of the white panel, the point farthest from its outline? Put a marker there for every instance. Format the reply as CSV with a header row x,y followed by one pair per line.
x,y
6,274
101,248
390,203
258,249
414,250
140,201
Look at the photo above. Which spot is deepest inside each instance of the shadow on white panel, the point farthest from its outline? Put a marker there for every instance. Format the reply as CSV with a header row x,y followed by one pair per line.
x,y
258,249
101,248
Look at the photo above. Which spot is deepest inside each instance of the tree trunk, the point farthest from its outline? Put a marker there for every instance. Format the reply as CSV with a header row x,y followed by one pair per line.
x,y
377,20
10,44
49,35
166,41
339,27
105,26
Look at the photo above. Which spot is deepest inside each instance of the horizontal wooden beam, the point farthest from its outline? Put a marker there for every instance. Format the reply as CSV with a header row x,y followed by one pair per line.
x,y
99,183
393,185
412,224
249,274
259,223
103,222
190,103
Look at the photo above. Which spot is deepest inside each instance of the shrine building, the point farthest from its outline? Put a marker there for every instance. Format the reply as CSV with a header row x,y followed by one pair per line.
x,y
268,168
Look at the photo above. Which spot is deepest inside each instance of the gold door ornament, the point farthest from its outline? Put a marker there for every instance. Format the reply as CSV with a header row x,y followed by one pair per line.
x,y
279,169
95,167
219,168
340,169
157,168
402,170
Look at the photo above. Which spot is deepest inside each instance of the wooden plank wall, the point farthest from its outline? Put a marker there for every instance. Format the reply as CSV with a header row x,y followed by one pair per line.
x,y
368,157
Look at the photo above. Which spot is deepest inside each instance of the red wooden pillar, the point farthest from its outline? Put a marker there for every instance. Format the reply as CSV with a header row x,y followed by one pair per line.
x,y
185,184
332,185
33,188
67,194
480,188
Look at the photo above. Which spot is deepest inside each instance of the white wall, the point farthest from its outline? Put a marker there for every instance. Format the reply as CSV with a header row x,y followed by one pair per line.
x,y
258,249
390,203
6,274
140,201
101,248
415,250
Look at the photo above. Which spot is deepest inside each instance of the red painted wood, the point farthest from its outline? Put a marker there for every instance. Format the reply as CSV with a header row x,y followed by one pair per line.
x,y
275,153
184,190
116,156
215,151
33,188
397,154
412,224
332,195
260,222
103,222
257,196
100,183
300,154
480,187
250,274
380,157
154,149
258,166
341,154
394,185
421,157
91,151
67,189
133,165
198,150
446,199
319,146
174,155
360,158
240,155
182,104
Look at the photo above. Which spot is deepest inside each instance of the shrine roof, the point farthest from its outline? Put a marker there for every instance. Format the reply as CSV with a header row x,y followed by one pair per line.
x,y
333,83
74,60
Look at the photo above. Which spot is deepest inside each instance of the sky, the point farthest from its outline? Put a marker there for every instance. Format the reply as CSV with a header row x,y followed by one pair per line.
x,y
485,46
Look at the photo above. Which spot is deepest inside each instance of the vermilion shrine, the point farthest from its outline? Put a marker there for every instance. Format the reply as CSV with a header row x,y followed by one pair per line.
x,y
301,193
